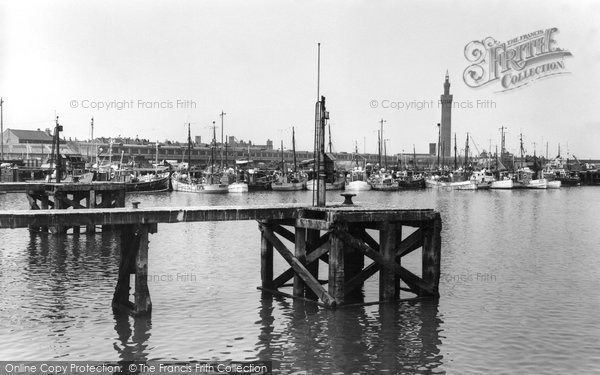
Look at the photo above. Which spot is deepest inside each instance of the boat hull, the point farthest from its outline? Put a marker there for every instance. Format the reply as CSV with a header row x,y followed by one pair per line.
x,y
502,184
358,186
199,188
238,187
554,184
386,187
460,185
311,185
542,183
288,186
161,184
412,184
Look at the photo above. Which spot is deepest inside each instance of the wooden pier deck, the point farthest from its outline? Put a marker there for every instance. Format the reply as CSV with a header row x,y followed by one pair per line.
x,y
336,235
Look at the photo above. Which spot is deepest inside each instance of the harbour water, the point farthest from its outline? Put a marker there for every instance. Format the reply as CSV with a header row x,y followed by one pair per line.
x,y
519,292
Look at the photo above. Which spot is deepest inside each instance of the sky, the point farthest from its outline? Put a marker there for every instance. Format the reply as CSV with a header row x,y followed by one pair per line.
x,y
157,65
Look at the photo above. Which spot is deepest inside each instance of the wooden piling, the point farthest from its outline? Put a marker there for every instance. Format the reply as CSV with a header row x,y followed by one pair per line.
x,y
134,260
300,253
143,305
431,257
336,266
266,259
390,235
90,202
312,242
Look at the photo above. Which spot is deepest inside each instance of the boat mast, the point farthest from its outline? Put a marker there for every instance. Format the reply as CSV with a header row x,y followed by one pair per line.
x,y
222,115
467,151
212,151
57,131
2,131
455,157
155,158
414,159
294,149
282,162
379,148
90,154
521,140
225,151
189,147
329,128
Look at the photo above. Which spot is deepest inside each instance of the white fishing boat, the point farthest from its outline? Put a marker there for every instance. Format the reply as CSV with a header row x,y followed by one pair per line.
x,y
356,180
288,182
554,184
524,180
336,185
502,184
182,182
483,178
442,183
238,187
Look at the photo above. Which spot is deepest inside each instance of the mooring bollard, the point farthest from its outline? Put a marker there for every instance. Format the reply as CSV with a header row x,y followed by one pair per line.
x,y
135,204
348,198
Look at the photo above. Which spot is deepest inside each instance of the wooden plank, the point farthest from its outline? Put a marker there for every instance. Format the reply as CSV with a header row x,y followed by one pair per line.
x,y
358,280
363,235
431,257
298,267
312,224
350,215
283,232
117,216
300,253
317,253
314,240
336,267
410,243
310,259
408,277
283,278
266,259
128,243
388,239
143,304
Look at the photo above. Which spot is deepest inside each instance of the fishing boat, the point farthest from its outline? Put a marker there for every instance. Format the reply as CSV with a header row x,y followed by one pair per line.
x,y
356,180
445,182
483,178
504,183
257,179
185,183
523,179
209,182
286,181
554,184
149,183
411,182
334,180
383,181
338,184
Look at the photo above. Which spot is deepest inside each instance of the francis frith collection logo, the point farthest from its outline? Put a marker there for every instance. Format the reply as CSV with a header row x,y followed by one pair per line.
x,y
516,62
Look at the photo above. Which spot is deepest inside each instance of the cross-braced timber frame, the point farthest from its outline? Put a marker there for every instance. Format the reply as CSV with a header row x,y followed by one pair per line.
x,y
340,239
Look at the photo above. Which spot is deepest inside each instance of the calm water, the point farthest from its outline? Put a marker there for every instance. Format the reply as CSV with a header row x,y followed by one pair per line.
x,y
519,292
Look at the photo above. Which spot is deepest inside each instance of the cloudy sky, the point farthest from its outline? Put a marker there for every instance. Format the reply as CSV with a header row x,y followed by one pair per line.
x,y
257,62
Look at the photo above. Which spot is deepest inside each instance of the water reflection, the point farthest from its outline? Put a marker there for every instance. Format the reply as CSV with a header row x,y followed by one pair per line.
x,y
133,334
392,337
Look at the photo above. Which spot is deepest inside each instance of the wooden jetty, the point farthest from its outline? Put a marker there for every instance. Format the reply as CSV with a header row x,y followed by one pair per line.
x,y
59,196
336,235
